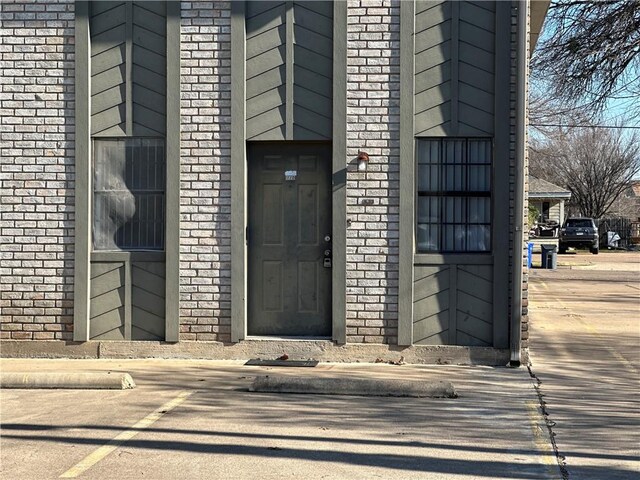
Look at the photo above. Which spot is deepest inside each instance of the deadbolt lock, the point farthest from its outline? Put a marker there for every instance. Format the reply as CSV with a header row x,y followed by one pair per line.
x,y
326,263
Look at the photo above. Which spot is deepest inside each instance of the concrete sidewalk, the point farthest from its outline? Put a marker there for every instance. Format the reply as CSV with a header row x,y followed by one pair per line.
x,y
196,420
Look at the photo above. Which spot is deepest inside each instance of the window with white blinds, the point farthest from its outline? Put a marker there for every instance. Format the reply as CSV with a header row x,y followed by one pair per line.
x,y
453,195
129,194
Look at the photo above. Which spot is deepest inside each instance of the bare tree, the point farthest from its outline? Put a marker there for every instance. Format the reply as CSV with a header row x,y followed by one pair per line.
x,y
590,53
596,165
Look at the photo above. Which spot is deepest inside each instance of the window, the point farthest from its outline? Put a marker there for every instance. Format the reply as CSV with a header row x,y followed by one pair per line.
x,y
454,195
545,211
129,194
579,223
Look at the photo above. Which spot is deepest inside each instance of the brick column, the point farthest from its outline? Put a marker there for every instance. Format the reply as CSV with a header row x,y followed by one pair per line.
x,y
373,115
37,170
205,196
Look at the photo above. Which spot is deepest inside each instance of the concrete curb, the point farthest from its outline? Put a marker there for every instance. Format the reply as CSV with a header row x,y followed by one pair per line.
x,y
591,266
352,386
86,381
320,350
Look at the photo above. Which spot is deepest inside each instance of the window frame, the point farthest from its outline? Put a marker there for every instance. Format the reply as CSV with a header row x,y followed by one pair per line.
x,y
463,194
92,192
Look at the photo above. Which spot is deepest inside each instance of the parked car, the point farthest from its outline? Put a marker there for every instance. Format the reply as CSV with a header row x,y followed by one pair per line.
x,y
579,232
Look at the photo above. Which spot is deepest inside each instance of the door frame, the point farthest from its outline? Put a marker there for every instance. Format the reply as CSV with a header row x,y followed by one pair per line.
x,y
256,153
239,175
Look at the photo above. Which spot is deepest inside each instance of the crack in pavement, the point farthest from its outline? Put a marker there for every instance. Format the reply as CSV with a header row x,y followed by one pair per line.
x,y
561,459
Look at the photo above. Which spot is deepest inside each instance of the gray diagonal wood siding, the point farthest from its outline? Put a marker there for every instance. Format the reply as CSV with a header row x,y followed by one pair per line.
x,y
431,305
147,301
266,70
312,70
107,27
453,305
454,68
128,68
149,82
127,306
289,67
107,306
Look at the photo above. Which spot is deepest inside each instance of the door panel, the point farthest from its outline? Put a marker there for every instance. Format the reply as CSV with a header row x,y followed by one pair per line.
x,y
307,223
272,217
307,287
272,286
289,220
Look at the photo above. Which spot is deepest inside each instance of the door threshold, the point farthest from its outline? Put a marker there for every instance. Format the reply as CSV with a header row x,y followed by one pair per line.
x,y
287,338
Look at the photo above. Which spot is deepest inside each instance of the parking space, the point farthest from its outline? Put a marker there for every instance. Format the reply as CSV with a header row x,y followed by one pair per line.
x,y
585,349
220,430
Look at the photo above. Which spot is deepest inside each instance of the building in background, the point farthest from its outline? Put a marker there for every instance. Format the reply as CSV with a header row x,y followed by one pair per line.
x,y
548,199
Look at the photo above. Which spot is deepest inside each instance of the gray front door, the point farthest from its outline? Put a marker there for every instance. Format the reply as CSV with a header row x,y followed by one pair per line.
x,y
289,240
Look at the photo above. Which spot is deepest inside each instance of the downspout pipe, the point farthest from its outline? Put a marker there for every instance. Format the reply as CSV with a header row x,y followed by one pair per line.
x,y
518,208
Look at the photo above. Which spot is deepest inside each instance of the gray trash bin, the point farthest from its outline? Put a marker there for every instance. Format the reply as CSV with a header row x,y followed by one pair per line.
x,y
549,257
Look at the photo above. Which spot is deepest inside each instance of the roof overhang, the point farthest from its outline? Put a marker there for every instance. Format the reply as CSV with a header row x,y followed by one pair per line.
x,y
538,12
550,195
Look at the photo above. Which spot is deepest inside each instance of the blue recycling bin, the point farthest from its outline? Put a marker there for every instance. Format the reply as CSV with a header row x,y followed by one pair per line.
x,y
529,254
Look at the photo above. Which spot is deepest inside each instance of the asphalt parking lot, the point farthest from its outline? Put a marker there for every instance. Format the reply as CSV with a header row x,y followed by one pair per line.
x,y
585,350
196,419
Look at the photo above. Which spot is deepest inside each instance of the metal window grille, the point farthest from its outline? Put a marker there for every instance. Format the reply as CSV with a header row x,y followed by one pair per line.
x,y
454,195
129,194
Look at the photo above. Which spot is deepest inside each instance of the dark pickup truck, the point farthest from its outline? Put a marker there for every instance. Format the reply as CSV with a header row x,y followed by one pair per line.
x,y
579,232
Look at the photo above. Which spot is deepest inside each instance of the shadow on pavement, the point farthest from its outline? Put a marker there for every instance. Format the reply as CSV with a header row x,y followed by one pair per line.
x,y
409,463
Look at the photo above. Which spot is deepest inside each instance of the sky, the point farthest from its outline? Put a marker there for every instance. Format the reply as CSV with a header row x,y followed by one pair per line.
x,y
617,110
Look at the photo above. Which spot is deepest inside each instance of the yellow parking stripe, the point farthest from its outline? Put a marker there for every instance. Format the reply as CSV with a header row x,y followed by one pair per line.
x,y
541,441
99,454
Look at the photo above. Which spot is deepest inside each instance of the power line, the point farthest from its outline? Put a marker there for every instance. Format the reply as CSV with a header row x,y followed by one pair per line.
x,y
634,127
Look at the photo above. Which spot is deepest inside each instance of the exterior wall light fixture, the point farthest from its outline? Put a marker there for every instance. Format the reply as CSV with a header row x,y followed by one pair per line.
x,y
363,161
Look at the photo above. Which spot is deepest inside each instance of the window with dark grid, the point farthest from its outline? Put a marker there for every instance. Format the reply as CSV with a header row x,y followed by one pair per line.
x,y
129,194
454,195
